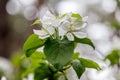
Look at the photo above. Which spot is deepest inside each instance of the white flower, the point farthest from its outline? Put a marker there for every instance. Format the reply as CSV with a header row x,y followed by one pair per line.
x,y
45,32
50,19
49,22
41,33
73,26
63,25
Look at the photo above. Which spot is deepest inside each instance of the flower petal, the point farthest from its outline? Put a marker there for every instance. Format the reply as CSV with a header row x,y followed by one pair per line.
x,y
48,18
41,33
48,15
84,25
61,31
80,34
44,37
84,19
76,23
68,16
50,30
79,28
56,23
65,25
70,37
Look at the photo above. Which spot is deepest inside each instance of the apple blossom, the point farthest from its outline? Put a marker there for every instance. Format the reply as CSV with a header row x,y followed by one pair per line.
x,y
57,27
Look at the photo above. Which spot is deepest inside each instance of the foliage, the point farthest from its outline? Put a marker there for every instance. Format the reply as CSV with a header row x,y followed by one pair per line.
x,y
58,49
58,53
114,57
32,43
18,60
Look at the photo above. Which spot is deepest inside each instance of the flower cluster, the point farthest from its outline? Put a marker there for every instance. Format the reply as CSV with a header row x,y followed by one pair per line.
x,y
57,37
57,27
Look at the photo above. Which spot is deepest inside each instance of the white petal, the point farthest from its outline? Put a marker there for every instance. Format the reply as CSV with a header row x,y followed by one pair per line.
x,y
44,37
70,37
61,31
50,29
48,14
48,18
46,21
84,19
81,27
40,32
56,23
84,25
65,25
80,34
68,16
76,24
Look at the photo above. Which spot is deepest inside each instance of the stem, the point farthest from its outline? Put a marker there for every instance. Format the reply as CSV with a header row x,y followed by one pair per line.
x,y
57,34
64,75
66,67
52,69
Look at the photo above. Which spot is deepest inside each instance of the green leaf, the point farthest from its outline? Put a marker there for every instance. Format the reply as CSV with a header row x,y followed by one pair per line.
x,y
32,43
87,63
58,53
42,72
36,22
78,67
37,56
84,41
35,59
76,16
76,55
113,57
18,59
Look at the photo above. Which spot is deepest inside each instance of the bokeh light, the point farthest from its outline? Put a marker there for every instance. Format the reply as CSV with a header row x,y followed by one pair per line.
x,y
71,6
30,13
13,7
109,6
